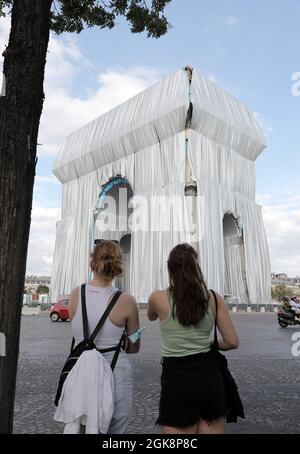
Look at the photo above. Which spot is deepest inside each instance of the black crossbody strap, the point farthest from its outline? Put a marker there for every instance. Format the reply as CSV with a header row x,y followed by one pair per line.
x,y
72,344
116,355
215,334
84,313
105,315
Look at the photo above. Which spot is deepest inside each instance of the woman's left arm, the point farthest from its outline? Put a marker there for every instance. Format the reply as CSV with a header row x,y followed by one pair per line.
x,y
132,324
74,298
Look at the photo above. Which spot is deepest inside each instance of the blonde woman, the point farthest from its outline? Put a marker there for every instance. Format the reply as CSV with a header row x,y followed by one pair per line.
x,y
106,264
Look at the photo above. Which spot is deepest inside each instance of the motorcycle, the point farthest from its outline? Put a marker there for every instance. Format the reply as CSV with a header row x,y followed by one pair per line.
x,y
287,317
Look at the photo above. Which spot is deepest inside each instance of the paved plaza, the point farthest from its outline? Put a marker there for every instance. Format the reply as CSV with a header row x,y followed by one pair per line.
x,y
267,373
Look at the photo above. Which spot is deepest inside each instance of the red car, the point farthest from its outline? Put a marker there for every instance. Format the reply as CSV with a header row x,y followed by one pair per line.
x,y
60,310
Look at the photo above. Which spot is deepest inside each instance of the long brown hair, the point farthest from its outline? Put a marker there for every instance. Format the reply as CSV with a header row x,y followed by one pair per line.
x,y
187,286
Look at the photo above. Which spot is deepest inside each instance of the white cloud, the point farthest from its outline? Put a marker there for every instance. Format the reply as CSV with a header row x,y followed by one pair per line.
x,y
47,179
282,223
266,125
61,59
45,213
4,34
42,240
222,51
232,22
212,77
262,198
63,112
229,22
213,28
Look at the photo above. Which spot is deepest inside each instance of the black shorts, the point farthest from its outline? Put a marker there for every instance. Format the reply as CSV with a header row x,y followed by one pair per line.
x,y
192,388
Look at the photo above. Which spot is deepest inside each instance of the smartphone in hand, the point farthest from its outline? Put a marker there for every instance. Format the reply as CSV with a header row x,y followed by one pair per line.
x,y
134,337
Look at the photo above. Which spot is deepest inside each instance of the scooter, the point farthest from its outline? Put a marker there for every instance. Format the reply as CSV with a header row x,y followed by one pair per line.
x,y
287,317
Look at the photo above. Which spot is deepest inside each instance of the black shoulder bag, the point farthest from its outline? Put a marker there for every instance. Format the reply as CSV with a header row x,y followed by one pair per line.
x,y
88,342
231,390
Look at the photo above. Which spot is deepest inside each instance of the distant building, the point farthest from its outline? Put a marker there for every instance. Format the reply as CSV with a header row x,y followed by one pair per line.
x,y
32,282
281,277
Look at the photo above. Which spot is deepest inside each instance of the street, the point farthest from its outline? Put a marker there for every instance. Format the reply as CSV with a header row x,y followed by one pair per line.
x,y
267,373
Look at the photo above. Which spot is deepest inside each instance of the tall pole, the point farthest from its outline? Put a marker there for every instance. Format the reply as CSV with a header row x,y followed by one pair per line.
x,y
190,189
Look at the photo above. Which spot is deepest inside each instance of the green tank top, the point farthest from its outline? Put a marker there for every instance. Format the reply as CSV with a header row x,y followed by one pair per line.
x,y
178,340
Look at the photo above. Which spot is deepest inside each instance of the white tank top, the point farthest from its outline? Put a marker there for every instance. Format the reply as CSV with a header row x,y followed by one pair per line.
x,y
96,303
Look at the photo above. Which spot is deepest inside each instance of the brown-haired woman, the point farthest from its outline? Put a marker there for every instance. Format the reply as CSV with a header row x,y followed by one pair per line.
x,y
106,264
192,397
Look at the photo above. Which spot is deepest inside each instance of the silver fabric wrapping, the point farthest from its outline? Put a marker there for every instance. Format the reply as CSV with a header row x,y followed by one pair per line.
x,y
145,140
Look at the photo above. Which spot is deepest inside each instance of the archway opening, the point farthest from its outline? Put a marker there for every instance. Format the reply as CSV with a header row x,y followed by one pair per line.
x,y
230,226
235,282
123,283
111,221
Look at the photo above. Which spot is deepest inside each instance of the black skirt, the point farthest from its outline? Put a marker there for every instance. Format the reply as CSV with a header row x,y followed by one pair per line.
x,y
192,388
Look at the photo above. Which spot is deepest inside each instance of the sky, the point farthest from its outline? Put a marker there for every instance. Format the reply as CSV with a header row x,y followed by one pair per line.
x,y
249,47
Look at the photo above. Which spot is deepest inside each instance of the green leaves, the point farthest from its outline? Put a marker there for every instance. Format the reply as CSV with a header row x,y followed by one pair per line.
x,y
75,15
120,6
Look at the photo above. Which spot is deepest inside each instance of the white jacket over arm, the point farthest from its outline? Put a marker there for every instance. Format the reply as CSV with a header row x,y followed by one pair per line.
x,y
88,395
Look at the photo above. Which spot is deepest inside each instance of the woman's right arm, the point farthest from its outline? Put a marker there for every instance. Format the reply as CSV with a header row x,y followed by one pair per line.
x,y
226,327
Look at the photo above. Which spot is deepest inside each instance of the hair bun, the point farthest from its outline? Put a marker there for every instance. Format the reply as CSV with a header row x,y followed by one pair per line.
x,y
106,260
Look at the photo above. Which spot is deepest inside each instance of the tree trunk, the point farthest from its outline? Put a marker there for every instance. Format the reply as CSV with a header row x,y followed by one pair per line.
x,y
20,111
